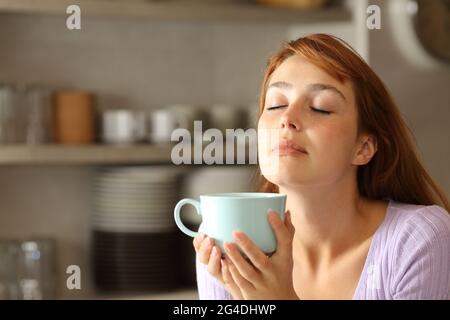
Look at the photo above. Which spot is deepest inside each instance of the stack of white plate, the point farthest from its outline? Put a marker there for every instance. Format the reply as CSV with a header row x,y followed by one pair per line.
x,y
134,238
135,199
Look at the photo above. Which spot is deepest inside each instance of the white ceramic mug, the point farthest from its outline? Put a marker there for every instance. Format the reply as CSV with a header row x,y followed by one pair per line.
x,y
163,122
123,126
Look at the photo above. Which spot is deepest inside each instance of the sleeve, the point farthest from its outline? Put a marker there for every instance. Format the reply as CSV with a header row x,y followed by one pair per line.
x,y
209,288
422,263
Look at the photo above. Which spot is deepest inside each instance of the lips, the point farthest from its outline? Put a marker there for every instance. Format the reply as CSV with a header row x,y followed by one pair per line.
x,y
288,147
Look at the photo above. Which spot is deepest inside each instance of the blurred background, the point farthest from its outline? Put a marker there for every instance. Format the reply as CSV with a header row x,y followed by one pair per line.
x,y
86,176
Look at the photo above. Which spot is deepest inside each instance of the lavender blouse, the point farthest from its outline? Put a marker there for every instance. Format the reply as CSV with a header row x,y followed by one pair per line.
x,y
409,258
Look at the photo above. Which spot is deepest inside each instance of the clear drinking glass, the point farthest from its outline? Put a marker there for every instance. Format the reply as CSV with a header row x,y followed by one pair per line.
x,y
37,105
36,269
8,264
7,113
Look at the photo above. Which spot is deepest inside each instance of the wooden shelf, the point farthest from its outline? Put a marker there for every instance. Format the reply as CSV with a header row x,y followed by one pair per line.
x,y
84,154
59,154
173,9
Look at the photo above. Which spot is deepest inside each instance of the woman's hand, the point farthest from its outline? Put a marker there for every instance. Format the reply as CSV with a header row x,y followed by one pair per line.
x,y
210,255
264,277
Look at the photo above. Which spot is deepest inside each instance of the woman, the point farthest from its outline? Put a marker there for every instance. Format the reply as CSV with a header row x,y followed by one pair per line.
x,y
364,219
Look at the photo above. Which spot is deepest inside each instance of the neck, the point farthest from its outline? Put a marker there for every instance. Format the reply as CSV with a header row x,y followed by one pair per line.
x,y
330,219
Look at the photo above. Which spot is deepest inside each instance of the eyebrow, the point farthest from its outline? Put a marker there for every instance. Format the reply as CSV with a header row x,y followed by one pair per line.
x,y
310,87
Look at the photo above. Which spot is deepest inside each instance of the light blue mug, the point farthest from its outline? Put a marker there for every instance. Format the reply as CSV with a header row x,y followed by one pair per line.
x,y
223,213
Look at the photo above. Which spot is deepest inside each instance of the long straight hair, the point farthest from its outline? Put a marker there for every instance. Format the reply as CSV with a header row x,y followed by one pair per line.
x,y
396,170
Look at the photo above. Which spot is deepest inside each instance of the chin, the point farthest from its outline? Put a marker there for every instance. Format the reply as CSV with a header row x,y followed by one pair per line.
x,y
286,176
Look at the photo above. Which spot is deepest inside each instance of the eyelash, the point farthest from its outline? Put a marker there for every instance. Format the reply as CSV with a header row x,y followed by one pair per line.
x,y
312,108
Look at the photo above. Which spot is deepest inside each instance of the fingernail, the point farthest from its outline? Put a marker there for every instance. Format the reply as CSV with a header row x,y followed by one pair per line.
x,y
271,216
214,251
223,263
238,236
229,247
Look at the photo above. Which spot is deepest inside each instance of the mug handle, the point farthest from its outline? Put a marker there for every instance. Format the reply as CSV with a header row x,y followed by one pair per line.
x,y
177,215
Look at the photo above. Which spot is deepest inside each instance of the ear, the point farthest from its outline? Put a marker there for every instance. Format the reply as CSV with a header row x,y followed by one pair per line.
x,y
365,150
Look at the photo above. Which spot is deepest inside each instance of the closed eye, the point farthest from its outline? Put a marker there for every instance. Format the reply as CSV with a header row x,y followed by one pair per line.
x,y
312,108
277,107
320,110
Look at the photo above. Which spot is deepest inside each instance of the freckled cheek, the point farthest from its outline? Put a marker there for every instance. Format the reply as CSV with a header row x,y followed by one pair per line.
x,y
267,127
264,122
332,141
268,137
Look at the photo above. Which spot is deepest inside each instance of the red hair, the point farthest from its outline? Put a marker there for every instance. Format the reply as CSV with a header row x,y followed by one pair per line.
x,y
396,170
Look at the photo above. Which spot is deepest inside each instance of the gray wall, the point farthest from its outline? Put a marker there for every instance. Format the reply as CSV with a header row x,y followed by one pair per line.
x,y
136,62
422,94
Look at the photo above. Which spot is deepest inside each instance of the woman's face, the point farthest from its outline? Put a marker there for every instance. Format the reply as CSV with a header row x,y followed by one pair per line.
x,y
307,109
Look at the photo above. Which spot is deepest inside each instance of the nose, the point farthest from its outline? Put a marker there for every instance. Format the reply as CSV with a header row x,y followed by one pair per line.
x,y
289,119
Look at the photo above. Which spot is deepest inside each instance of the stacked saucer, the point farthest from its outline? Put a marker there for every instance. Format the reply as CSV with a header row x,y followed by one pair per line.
x,y
135,261
135,240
